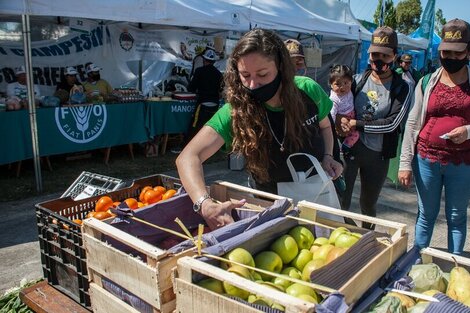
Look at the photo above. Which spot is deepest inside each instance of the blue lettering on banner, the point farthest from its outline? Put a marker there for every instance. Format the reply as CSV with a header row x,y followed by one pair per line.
x,y
182,108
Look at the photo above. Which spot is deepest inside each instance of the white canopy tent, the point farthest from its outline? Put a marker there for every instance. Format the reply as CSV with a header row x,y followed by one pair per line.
x,y
236,15
341,12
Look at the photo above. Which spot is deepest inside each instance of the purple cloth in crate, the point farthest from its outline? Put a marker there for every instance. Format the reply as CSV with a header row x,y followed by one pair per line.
x,y
334,303
162,213
447,305
278,208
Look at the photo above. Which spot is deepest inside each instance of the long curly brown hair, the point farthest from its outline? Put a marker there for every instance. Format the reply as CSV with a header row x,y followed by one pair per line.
x,y
251,134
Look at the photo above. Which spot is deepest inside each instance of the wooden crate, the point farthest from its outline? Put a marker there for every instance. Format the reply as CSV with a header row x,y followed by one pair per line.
x,y
149,281
443,259
190,298
368,275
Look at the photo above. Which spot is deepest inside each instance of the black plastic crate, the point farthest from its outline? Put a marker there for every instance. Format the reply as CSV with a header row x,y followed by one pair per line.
x,y
63,257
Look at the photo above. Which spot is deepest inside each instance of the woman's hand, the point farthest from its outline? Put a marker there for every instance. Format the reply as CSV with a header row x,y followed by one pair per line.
x,y
404,177
458,135
332,167
218,215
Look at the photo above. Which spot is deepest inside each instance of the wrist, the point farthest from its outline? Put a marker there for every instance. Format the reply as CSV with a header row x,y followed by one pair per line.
x,y
328,154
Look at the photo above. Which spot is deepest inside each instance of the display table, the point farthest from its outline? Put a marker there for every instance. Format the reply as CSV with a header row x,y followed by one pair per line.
x,y
81,128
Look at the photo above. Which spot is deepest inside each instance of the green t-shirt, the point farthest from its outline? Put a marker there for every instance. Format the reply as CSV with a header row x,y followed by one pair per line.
x,y
221,122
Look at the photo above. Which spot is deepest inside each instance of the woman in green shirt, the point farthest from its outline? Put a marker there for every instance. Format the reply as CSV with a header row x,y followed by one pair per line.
x,y
270,115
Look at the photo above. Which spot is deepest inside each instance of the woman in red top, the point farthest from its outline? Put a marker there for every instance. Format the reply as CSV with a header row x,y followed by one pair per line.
x,y
436,145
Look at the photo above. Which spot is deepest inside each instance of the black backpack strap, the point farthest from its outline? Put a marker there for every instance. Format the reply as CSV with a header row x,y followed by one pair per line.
x,y
357,87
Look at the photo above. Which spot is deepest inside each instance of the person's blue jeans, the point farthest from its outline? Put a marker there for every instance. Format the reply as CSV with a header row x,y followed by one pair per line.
x,y
429,179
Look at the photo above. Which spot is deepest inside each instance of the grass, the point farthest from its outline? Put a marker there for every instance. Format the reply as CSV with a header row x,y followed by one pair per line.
x,y
66,171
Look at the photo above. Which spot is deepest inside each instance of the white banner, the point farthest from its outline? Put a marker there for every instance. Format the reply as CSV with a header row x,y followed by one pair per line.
x,y
116,48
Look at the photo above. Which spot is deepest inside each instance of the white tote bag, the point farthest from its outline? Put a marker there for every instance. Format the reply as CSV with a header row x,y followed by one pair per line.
x,y
317,188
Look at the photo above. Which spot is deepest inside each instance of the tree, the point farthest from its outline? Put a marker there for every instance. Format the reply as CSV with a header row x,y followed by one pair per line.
x,y
408,14
439,21
390,18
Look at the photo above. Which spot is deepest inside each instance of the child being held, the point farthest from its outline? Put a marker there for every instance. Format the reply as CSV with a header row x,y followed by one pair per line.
x,y
340,80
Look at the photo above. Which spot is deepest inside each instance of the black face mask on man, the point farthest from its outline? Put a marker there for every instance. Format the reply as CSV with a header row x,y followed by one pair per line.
x,y
453,65
265,92
381,66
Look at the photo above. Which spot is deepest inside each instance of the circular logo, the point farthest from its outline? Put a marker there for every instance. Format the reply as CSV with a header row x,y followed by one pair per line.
x,y
126,41
81,124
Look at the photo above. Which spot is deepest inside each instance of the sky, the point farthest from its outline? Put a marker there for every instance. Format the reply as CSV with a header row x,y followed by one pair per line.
x,y
365,9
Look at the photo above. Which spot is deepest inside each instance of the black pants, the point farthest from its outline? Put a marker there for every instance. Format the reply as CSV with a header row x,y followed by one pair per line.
x,y
201,116
373,171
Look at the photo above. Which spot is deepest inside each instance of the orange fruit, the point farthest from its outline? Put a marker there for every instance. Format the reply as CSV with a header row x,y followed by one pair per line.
x,y
151,196
142,193
167,195
116,203
160,189
102,215
77,221
140,204
132,203
90,214
103,204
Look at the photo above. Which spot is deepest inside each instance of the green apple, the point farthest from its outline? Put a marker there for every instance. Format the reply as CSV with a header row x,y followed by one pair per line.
x,y
212,284
314,248
298,289
256,276
310,267
233,290
335,233
286,247
279,307
308,298
272,285
288,271
268,261
322,252
259,300
321,241
345,240
303,236
301,259
335,253
239,255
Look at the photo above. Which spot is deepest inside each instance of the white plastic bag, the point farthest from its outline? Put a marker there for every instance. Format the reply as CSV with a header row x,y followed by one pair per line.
x,y
318,188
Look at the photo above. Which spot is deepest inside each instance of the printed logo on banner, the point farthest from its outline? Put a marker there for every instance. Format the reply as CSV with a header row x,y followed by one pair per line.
x,y
81,124
126,40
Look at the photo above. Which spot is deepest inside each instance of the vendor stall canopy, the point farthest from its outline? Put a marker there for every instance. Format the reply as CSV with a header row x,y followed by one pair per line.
x,y
237,15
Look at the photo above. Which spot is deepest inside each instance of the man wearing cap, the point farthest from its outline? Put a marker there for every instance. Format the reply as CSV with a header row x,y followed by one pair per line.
x,y
96,89
68,81
381,101
406,70
17,92
436,142
207,83
296,52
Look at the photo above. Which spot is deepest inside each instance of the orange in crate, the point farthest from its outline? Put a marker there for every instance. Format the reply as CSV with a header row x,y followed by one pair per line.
x,y
102,215
142,193
160,189
103,204
132,203
167,195
151,196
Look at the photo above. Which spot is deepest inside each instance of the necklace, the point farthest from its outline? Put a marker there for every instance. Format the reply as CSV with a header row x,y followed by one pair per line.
x,y
281,144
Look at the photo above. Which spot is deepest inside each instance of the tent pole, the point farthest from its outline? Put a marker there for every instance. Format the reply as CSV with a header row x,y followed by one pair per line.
x,y
31,99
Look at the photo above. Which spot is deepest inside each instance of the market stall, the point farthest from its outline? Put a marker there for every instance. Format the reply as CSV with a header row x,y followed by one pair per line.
x,y
80,128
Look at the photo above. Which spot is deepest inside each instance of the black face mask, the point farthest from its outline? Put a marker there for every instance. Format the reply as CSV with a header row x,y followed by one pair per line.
x,y
381,67
453,66
265,92
96,77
